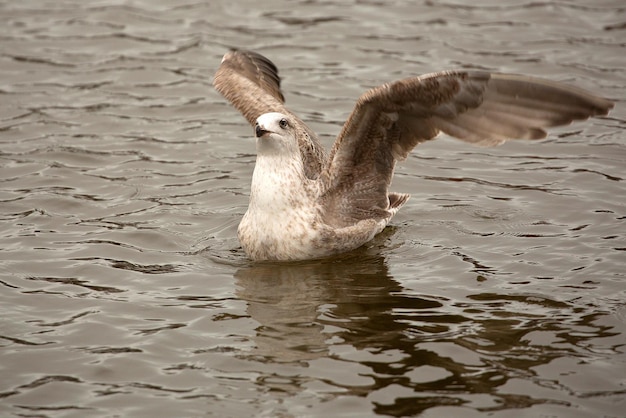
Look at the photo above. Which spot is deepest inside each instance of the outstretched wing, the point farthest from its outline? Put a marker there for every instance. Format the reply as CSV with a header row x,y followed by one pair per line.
x,y
478,107
252,85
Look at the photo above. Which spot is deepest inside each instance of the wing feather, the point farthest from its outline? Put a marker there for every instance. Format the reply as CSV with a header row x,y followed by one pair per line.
x,y
251,84
477,107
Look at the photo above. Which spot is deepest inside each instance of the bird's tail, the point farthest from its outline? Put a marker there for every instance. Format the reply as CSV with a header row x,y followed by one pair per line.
x,y
396,201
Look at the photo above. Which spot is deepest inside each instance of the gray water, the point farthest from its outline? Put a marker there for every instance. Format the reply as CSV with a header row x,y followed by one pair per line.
x,y
499,290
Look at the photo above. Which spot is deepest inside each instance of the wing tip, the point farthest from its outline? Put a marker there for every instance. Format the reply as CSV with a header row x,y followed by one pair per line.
x,y
238,64
604,106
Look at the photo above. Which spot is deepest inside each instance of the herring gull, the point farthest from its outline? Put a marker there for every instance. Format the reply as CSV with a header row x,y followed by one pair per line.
x,y
306,204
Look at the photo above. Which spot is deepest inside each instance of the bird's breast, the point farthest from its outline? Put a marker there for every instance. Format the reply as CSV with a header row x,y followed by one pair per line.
x,y
283,216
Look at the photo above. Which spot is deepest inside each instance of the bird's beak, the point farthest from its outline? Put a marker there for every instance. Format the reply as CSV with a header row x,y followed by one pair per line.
x,y
258,131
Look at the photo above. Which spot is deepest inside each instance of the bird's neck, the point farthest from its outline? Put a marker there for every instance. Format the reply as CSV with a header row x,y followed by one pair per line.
x,y
277,182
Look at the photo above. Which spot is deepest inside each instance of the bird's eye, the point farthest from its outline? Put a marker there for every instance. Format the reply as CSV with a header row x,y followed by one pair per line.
x,y
283,123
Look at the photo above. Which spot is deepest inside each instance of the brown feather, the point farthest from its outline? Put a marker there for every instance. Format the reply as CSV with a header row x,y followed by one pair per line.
x,y
477,107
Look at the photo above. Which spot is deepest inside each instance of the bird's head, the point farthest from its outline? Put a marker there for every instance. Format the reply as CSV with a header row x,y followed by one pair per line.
x,y
276,133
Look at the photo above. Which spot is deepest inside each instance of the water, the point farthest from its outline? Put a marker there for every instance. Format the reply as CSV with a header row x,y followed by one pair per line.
x,y
498,290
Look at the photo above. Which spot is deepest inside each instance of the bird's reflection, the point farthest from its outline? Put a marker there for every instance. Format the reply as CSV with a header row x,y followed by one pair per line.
x,y
442,348
294,303
301,306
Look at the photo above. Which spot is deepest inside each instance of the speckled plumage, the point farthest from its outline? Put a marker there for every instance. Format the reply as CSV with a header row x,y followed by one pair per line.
x,y
305,204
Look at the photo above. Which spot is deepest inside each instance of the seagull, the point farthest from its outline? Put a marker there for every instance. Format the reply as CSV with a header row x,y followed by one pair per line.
x,y
309,204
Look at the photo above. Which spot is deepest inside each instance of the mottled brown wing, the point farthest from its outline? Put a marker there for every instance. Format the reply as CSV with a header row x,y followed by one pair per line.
x,y
478,107
251,84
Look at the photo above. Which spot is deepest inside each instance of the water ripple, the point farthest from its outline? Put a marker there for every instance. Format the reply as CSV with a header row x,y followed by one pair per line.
x,y
123,175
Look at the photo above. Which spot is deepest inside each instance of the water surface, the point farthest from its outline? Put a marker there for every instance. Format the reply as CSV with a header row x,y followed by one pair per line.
x,y
499,289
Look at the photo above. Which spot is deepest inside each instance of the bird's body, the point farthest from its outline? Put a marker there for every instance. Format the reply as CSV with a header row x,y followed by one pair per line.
x,y
285,220
306,204
281,209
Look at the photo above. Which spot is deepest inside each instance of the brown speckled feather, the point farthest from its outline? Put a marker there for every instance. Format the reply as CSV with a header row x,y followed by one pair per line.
x,y
478,107
251,83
